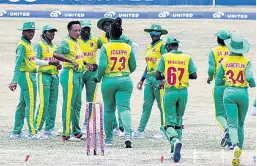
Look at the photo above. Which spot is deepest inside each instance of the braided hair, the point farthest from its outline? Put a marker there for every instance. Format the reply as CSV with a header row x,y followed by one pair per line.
x,y
116,29
221,41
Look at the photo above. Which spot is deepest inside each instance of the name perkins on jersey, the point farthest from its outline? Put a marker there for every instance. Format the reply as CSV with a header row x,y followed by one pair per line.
x,y
235,65
119,52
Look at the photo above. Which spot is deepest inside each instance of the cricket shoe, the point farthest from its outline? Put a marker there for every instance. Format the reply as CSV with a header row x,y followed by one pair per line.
x,y
159,135
18,136
237,154
225,138
65,138
51,133
176,151
38,136
128,143
116,132
108,142
229,143
122,132
138,135
77,138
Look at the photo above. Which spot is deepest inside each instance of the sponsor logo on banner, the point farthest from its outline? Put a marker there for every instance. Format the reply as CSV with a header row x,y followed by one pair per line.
x,y
74,15
25,0
237,16
218,15
19,14
163,14
128,15
109,14
2,13
181,15
55,13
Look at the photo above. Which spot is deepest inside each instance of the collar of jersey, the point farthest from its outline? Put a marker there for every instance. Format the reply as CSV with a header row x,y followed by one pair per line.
x,y
25,40
71,38
43,40
176,51
234,54
116,41
90,37
156,43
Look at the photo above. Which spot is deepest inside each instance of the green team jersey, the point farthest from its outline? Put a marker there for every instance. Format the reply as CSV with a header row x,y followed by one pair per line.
x,y
25,59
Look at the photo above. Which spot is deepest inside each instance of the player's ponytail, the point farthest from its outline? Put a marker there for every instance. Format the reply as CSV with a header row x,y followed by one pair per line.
x,y
221,41
116,28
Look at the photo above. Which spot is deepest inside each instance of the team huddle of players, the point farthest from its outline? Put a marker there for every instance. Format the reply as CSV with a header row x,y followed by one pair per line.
x,y
165,79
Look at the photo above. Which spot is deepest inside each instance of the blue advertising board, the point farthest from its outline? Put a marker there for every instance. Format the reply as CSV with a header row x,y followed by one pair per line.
x,y
128,15
110,2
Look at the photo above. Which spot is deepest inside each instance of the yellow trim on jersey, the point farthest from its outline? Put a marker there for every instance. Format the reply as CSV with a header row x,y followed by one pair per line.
x,y
94,98
69,98
31,103
41,97
162,94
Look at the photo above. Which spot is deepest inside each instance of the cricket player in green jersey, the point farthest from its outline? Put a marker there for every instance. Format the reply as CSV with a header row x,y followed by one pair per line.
x,y
71,80
174,70
104,24
117,61
89,45
235,72
25,76
154,52
216,55
48,81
